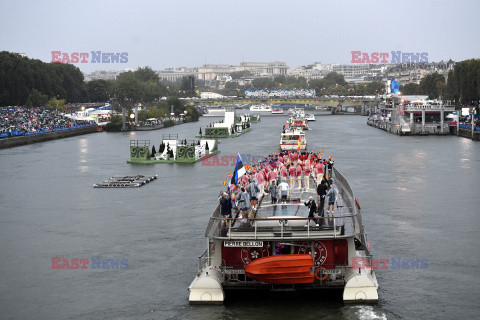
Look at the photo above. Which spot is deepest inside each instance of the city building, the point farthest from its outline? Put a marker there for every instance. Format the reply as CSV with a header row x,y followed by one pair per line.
x,y
104,75
176,74
215,72
275,68
414,72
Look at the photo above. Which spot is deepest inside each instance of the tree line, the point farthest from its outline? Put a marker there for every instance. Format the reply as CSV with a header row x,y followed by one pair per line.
x,y
22,78
34,83
461,88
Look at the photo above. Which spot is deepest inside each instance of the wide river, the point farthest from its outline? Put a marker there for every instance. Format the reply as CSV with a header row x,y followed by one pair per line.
x,y
420,199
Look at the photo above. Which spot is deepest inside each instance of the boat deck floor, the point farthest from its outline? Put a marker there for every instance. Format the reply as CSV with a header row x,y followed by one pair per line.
x,y
293,208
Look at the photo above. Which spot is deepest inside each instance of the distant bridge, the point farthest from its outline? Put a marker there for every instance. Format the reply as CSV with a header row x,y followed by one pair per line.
x,y
326,102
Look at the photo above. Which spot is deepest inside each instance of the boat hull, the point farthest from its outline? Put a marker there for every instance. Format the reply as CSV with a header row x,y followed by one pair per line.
x,y
282,269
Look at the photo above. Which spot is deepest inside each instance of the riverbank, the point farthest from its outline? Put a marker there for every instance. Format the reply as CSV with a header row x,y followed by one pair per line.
x,y
41,137
467,133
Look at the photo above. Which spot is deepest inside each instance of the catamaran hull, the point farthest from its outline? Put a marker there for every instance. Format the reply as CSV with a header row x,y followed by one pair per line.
x,y
207,287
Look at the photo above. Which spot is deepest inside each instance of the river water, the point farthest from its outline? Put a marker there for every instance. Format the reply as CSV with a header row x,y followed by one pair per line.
x,y
419,198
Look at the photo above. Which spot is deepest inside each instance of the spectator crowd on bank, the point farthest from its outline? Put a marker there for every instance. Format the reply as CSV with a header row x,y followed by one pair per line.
x,y
18,121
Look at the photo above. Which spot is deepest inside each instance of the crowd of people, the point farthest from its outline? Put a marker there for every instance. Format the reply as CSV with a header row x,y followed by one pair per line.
x,y
17,121
278,175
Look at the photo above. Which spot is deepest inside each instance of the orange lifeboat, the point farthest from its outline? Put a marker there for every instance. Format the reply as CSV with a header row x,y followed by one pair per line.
x,y
282,269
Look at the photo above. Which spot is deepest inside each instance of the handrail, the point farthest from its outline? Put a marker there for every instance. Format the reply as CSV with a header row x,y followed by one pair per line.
x,y
285,218
225,232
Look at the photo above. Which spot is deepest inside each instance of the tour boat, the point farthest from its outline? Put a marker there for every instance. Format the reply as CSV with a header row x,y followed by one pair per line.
x,y
290,139
261,108
214,112
297,112
298,123
277,111
279,248
149,124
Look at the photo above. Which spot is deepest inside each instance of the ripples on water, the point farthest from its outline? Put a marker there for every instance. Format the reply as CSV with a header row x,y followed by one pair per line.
x,y
419,197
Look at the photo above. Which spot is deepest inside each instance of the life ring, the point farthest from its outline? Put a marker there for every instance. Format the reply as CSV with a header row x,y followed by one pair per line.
x,y
317,274
356,202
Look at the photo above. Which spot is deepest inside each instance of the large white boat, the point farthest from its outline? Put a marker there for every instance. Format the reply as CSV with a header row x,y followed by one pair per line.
x,y
291,138
277,248
298,112
261,108
310,117
277,111
215,112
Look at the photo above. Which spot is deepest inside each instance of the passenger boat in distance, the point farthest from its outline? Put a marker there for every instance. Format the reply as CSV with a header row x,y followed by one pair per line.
x,y
293,139
149,124
215,112
277,247
261,108
277,111
310,117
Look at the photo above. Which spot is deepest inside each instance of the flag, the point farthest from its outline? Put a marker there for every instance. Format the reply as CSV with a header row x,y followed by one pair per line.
x,y
299,140
238,172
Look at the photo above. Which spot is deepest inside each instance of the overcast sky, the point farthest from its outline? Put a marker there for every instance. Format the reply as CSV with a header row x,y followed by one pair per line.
x,y
189,33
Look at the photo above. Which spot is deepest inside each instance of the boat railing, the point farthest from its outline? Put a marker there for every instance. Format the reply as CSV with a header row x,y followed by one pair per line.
x,y
139,143
344,188
291,227
212,223
203,261
236,274
170,136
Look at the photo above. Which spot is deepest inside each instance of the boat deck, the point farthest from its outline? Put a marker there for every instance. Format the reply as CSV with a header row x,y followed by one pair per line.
x,y
273,221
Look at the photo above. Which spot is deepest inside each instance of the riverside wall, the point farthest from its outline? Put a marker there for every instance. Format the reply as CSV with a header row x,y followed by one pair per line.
x,y
11,142
466,133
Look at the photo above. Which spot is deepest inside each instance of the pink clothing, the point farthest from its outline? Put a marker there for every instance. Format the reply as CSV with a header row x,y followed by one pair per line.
x,y
259,177
292,172
299,171
283,172
307,170
265,175
272,175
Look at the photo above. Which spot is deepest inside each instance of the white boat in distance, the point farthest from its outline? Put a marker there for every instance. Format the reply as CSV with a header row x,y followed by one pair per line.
x,y
277,111
310,117
215,112
290,138
261,108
